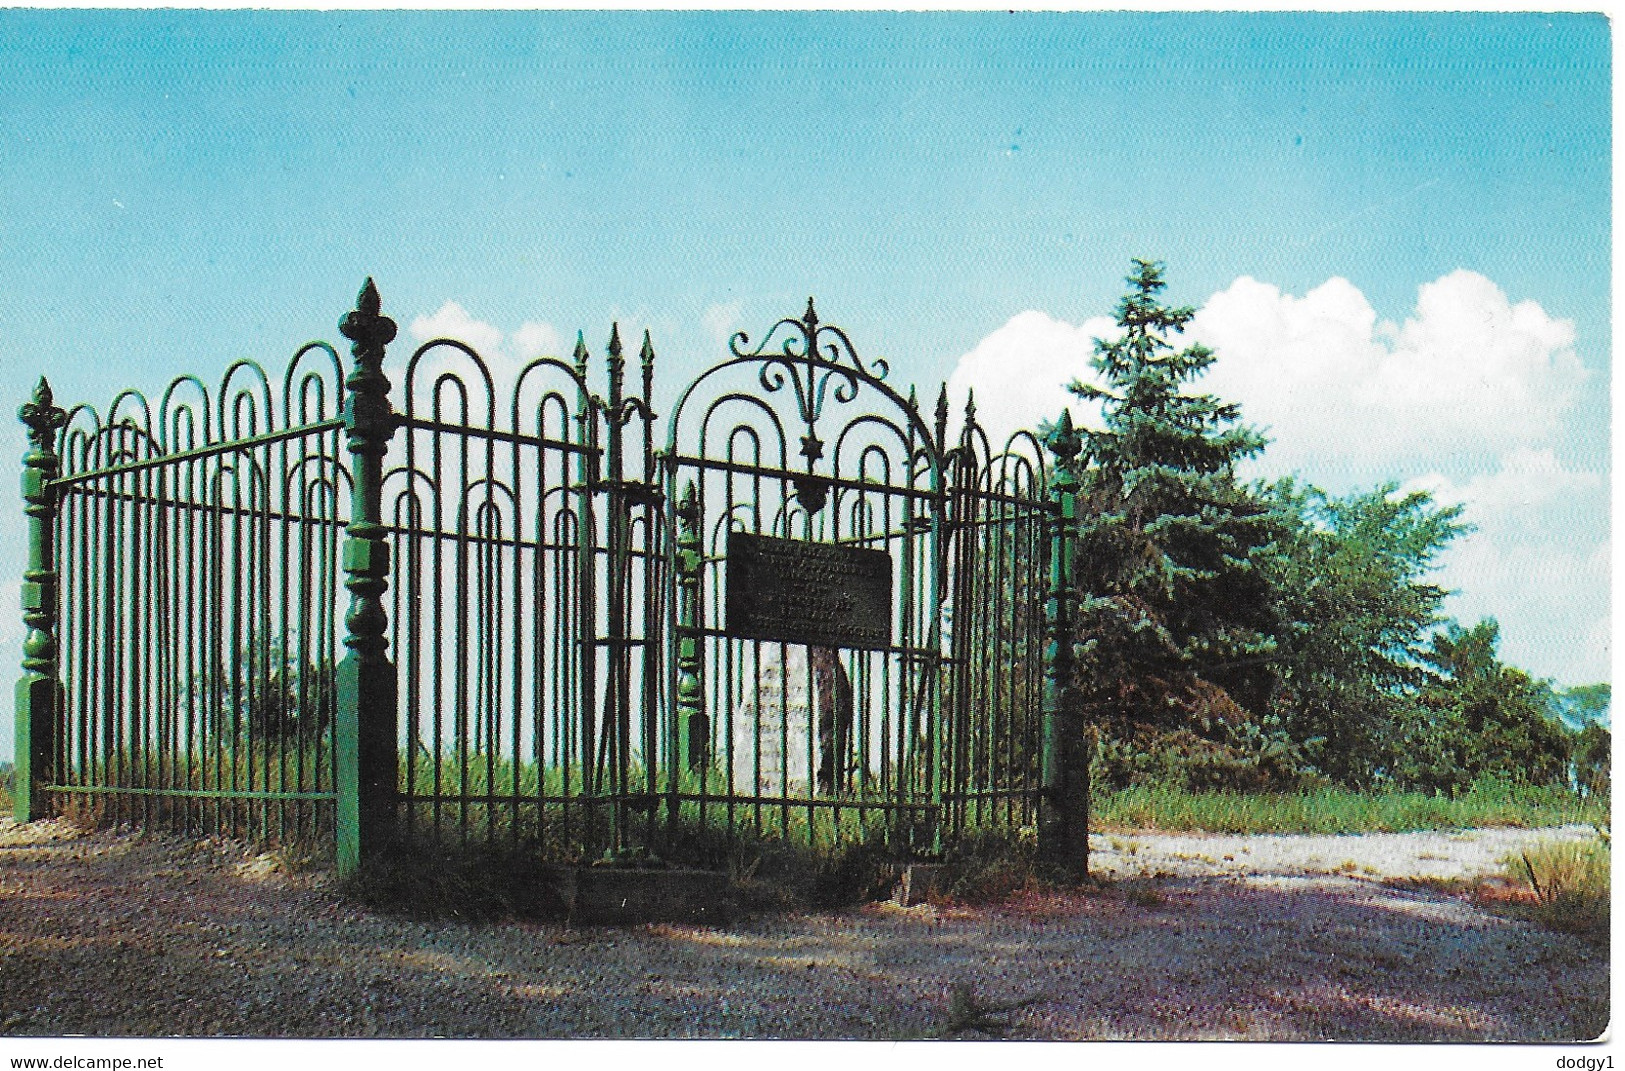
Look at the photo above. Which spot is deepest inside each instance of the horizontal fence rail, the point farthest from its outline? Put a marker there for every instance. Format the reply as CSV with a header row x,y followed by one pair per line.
x,y
198,545
552,636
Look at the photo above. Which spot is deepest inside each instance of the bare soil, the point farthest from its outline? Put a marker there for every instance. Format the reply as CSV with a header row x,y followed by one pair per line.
x,y
1372,938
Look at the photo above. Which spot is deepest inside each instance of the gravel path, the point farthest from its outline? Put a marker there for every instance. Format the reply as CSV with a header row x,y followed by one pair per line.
x,y
1466,853
112,934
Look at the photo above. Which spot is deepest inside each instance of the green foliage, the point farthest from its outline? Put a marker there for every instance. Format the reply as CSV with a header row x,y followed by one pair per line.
x,y
1570,882
1355,612
265,693
1592,751
992,864
1225,756
1171,593
1584,706
1479,718
1339,810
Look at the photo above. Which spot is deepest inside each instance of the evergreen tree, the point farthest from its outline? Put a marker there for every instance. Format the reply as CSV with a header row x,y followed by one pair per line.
x,y
1175,614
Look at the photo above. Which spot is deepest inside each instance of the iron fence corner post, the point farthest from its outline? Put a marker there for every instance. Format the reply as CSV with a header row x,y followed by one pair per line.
x,y
39,692
1063,818
693,729
364,734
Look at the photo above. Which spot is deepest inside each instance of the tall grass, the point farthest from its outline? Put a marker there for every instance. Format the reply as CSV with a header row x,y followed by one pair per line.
x,y
1340,810
1569,883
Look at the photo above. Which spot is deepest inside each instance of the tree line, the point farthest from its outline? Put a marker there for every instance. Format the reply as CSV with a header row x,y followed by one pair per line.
x,y
1270,635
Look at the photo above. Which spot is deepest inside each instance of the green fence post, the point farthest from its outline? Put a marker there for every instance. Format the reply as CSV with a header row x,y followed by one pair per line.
x,y
39,692
692,726
1063,817
364,736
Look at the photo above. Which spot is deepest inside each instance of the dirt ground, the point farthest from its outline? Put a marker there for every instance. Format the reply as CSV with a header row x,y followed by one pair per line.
x,y
1263,938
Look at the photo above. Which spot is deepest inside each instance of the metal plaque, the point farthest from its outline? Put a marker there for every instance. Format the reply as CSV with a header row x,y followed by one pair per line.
x,y
819,594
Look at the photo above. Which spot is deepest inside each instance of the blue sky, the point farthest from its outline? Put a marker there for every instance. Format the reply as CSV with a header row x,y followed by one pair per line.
x,y
1397,225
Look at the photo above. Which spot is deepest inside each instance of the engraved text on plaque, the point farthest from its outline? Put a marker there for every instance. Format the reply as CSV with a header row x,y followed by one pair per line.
x,y
819,594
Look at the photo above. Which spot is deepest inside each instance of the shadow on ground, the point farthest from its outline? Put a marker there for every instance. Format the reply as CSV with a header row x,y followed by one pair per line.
x,y
109,935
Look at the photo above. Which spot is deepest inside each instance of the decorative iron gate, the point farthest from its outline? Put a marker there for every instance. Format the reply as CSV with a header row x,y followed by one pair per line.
x,y
812,614
825,695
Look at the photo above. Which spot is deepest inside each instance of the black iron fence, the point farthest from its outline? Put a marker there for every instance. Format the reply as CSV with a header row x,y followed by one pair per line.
x,y
798,606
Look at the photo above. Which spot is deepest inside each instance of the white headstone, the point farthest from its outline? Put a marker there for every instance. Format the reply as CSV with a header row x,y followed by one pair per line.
x,y
775,723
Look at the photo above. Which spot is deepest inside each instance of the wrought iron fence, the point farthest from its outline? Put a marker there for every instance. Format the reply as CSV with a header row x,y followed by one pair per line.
x,y
198,546
554,635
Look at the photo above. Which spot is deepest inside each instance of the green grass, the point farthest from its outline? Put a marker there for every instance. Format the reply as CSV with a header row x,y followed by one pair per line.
x,y
1339,810
1568,884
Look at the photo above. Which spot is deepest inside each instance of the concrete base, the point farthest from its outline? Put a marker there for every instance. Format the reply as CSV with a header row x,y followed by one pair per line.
x,y
921,884
626,896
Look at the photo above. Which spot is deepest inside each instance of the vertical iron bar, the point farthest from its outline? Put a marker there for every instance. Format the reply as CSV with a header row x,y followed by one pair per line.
x,y
586,650
617,718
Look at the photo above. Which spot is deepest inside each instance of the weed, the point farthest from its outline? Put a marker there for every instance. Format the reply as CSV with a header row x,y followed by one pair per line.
x,y
994,864
1570,882
967,1012
1143,894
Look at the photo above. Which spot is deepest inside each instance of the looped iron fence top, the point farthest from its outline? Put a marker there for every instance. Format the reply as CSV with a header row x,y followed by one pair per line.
x,y
553,662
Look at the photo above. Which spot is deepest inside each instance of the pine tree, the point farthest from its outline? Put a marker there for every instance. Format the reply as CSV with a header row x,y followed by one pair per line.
x,y
1174,612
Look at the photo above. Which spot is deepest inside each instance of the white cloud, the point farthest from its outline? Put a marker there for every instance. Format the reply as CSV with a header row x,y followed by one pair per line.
x,y
1019,373
534,340
1539,561
11,616
1469,373
453,321
503,355
1466,397
720,322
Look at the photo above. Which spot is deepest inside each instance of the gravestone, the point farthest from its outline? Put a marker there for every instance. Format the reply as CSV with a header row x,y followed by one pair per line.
x,y
775,724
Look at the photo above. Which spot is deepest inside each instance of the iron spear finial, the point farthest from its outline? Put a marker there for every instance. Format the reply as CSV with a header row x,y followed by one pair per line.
x,y
1063,439
367,302
41,413
365,326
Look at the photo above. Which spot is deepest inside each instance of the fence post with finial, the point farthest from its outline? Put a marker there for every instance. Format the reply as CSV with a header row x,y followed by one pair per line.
x,y
39,692
1063,814
692,726
364,730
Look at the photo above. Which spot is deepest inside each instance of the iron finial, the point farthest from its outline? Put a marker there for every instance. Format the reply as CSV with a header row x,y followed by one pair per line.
x,y
41,413
365,326
1063,439
615,340
688,506
970,407
367,302
647,353
811,318
581,354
